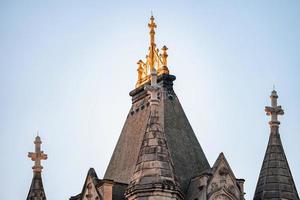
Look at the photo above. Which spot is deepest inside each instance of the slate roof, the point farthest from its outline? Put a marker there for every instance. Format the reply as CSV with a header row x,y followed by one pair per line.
x,y
36,191
186,153
275,179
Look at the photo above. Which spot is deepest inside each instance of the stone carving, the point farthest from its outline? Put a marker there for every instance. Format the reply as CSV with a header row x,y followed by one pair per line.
x,y
221,197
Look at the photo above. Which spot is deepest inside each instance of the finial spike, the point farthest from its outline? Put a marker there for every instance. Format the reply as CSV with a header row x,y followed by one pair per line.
x,y
37,156
153,58
274,110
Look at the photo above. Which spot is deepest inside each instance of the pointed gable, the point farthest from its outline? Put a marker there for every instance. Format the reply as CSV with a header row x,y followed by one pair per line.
x,y
217,183
223,182
100,189
90,188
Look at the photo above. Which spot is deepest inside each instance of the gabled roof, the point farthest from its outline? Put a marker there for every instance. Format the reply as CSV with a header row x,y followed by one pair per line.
x,y
95,181
36,190
221,158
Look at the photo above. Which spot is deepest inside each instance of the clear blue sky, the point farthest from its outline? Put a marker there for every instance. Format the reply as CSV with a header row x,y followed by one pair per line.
x,y
66,68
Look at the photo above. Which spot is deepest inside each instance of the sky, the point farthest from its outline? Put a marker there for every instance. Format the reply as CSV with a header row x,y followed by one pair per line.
x,y
66,68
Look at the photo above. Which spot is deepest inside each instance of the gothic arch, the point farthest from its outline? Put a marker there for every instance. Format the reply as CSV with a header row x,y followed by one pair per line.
x,y
222,194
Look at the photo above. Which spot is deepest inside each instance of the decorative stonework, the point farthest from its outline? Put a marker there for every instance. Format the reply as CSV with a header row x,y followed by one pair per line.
x,y
221,197
154,176
217,183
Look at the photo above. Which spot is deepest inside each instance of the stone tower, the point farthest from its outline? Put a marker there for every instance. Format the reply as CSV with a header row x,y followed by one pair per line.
x,y
36,191
158,155
163,137
185,151
275,180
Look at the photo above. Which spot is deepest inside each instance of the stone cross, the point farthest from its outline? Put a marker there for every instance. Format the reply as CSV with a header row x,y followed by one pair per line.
x,y
153,89
274,110
38,155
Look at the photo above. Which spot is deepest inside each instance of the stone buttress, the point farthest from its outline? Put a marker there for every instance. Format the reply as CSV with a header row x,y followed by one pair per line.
x,y
154,177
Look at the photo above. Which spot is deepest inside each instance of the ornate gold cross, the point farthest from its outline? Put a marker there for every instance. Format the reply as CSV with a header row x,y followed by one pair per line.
x,y
38,155
154,59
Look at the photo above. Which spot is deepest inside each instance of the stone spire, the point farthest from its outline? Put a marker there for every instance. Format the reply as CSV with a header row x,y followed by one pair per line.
x,y
36,191
154,172
275,179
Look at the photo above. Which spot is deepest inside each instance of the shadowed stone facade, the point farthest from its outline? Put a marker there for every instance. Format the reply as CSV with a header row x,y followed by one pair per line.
x,y
219,182
36,191
186,153
154,176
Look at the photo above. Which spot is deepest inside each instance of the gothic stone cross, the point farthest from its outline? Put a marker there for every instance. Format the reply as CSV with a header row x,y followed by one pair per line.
x,y
37,156
274,110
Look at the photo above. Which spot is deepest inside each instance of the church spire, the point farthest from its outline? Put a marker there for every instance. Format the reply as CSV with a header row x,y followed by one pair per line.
x,y
36,191
154,176
153,58
275,179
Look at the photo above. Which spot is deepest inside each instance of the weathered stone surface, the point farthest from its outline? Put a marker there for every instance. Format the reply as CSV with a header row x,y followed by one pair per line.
x,y
98,189
186,153
217,182
275,179
36,190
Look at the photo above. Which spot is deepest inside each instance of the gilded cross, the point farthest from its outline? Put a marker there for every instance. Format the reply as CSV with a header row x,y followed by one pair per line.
x,y
152,27
274,110
38,155
153,59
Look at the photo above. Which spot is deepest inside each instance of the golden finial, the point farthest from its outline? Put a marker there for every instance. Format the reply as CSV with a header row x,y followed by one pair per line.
x,y
154,60
152,27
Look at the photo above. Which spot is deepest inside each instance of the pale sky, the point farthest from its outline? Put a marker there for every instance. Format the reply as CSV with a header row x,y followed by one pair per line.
x,y
66,68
